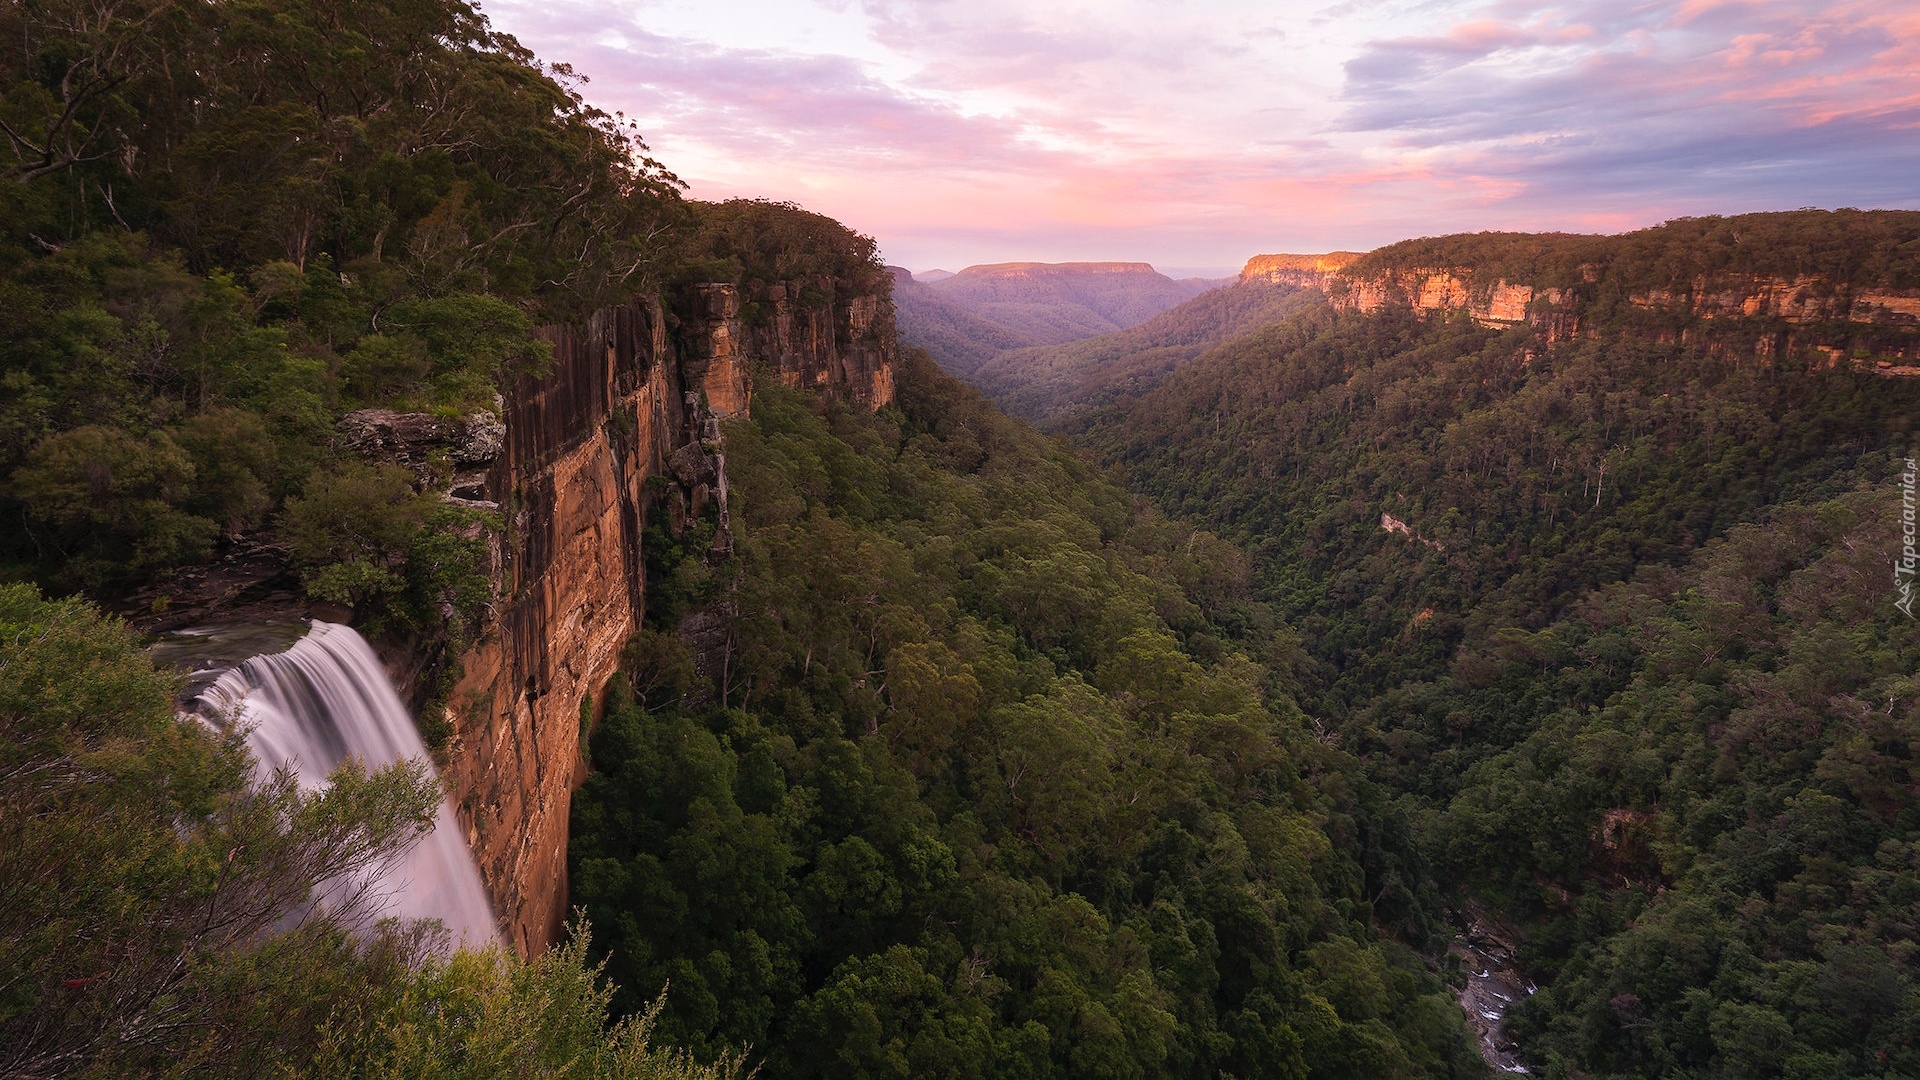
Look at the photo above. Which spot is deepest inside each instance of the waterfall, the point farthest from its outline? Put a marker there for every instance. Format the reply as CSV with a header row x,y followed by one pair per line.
x,y
324,699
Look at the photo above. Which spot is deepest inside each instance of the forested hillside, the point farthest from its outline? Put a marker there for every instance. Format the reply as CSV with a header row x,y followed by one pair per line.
x,y
940,753
1855,249
226,224
222,227
1003,775
1615,618
959,339
998,771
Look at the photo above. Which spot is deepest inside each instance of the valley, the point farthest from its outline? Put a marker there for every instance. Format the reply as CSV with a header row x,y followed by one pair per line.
x,y
723,653
1472,476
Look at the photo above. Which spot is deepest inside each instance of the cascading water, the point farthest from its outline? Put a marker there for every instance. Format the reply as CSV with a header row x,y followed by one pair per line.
x,y
327,698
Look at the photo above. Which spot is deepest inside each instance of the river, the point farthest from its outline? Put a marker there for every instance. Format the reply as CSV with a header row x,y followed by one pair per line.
x,y
1495,981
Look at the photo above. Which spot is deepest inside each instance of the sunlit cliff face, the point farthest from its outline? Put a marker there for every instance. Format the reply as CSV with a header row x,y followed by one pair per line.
x,y
624,403
1194,134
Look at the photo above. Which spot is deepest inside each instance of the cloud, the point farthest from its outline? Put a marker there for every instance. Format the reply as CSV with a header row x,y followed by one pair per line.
x,y
985,130
761,105
1692,106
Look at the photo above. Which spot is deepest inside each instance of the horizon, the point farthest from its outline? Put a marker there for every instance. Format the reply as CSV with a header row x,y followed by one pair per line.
x,y
1199,136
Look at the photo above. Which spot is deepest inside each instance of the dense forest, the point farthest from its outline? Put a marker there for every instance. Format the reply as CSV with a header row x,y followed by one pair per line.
x,y
226,224
1004,777
961,758
1613,619
221,227
1002,773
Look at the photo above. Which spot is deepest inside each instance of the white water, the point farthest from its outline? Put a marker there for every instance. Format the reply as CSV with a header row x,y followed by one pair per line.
x,y
325,699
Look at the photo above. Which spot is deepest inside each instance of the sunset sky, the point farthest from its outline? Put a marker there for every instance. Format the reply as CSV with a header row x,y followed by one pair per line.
x,y
1194,133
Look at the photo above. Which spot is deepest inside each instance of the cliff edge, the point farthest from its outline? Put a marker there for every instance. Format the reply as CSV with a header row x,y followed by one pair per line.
x,y
632,395
1829,286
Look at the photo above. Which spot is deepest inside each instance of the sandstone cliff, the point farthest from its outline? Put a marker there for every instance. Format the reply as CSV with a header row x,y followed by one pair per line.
x,y
628,399
1306,271
1822,318
1732,316
842,348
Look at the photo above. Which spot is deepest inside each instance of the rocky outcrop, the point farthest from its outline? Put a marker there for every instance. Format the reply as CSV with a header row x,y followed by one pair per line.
x,y
1812,286
626,400
473,439
809,333
1494,303
714,347
1800,301
1734,316
1305,271
579,446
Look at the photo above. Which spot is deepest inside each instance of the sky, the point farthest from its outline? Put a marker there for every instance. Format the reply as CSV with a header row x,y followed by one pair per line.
x,y
1193,134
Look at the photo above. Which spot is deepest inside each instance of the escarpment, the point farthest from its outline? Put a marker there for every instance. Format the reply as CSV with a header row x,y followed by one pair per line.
x,y
1306,271
1828,288
629,395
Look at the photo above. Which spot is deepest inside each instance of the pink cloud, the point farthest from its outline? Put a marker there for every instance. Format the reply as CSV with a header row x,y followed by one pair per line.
x,y
1001,130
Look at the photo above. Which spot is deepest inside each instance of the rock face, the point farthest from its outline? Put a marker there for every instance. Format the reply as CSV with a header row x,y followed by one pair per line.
x,y
1306,271
808,333
1442,290
626,401
1735,316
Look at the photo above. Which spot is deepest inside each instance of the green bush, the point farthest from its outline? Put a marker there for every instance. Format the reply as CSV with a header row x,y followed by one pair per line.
x,y
156,897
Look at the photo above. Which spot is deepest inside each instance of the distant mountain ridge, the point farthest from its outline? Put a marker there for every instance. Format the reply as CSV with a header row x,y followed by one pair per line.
x,y
1055,270
1042,383
958,339
966,319
1054,303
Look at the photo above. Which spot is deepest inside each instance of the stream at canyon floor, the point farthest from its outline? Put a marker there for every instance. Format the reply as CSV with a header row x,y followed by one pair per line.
x,y
1494,982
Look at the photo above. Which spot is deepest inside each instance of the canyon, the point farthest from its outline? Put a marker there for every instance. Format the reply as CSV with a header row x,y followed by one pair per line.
x,y
1054,303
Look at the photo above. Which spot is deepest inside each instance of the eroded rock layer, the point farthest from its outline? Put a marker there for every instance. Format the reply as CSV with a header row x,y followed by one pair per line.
x,y
581,441
1732,315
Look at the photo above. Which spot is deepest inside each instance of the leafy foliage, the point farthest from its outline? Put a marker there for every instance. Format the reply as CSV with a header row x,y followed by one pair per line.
x,y
247,134
1721,858
157,902
992,785
226,223
758,242
1612,616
